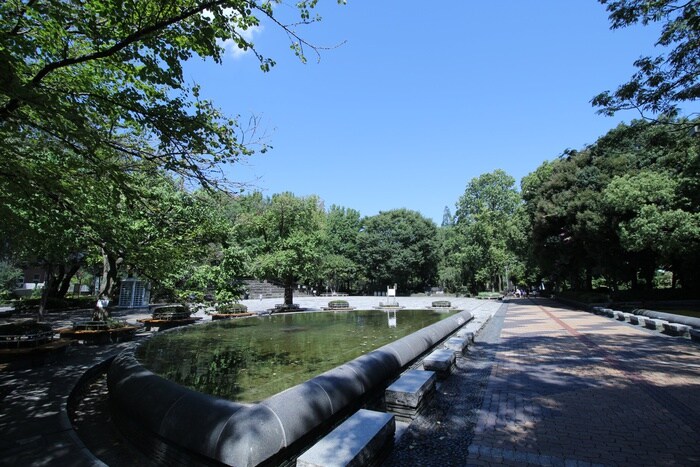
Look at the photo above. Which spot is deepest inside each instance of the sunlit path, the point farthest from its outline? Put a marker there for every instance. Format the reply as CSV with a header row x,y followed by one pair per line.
x,y
564,387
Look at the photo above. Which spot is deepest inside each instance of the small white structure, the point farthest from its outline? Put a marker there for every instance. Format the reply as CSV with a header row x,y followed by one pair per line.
x,y
134,293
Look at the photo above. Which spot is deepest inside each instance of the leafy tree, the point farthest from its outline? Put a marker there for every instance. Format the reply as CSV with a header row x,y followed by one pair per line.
x,y
398,247
447,218
619,209
93,100
487,231
339,269
284,241
89,75
662,82
9,274
652,219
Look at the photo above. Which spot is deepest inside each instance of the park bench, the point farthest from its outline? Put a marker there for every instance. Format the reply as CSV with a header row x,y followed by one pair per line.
x,y
408,395
457,344
441,361
676,329
360,440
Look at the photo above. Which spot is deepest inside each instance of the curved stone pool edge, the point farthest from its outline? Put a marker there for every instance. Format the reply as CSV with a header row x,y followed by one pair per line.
x,y
248,435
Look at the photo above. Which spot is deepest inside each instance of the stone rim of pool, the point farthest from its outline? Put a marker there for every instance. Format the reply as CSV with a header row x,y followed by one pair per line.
x,y
149,406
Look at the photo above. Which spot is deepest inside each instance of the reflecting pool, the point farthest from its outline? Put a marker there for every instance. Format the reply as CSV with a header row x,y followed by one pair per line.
x,y
250,359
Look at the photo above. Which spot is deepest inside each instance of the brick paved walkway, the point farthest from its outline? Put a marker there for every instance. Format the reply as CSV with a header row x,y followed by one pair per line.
x,y
563,387
572,388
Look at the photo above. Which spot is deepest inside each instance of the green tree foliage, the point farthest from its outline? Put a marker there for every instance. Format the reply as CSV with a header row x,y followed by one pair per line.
x,y
398,247
339,270
284,239
9,275
487,231
95,111
662,82
620,209
108,74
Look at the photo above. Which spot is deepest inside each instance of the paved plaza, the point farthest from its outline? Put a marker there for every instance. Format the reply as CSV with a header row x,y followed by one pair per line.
x,y
556,386
542,385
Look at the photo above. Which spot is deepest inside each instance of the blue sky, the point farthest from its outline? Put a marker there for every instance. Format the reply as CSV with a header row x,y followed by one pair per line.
x,y
422,97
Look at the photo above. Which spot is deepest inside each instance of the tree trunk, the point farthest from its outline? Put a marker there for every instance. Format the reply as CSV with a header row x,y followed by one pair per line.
x,y
589,279
288,294
109,274
62,288
48,283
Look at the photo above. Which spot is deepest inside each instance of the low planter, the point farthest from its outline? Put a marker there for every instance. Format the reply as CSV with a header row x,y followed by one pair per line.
x,y
99,332
284,308
490,296
338,305
229,308
25,334
170,312
216,316
168,316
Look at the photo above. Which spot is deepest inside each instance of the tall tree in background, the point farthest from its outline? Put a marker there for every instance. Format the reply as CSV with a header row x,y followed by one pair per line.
x,y
619,209
487,229
398,247
339,269
287,245
663,82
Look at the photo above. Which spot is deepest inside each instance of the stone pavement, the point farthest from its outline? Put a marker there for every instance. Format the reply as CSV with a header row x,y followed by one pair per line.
x,y
34,426
547,385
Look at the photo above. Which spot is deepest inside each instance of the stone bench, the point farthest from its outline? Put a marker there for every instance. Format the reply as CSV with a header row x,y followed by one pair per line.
x,y
608,312
676,329
360,440
694,334
409,394
458,344
619,315
466,334
636,319
441,361
655,324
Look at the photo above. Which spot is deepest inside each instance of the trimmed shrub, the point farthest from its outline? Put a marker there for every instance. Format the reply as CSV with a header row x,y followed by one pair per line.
x,y
169,312
490,295
338,304
54,304
441,304
227,308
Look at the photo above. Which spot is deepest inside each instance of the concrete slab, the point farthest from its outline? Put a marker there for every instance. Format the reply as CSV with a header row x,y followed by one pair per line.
x,y
655,324
458,344
440,361
410,388
676,329
355,442
466,333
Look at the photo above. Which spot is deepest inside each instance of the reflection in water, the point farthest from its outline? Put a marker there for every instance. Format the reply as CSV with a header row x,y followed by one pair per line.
x,y
253,358
391,316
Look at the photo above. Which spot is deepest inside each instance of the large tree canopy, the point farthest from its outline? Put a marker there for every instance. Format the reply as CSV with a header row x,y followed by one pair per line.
x,y
97,120
108,74
487,231
283,238
673,77
619,209
398,247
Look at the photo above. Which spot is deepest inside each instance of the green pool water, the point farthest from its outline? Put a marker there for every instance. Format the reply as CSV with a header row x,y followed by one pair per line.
x,y
250,359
